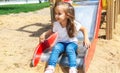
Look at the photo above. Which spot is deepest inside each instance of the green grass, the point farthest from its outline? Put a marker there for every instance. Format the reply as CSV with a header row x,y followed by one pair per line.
x,y
7,9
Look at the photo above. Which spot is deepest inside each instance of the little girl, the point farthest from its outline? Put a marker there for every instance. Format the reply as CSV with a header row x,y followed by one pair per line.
x,y
67,29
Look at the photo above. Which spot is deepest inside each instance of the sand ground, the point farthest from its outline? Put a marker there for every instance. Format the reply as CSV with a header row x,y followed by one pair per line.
x,y
19,36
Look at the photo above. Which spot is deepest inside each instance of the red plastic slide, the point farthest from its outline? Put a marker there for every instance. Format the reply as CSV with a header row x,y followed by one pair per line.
x,y
41,47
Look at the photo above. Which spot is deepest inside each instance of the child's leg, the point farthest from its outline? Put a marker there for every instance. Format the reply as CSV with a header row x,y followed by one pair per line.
x,y
57,49
71,53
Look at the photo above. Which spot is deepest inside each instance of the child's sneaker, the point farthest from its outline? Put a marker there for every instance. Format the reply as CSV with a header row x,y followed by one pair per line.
x,y
72,70
50,69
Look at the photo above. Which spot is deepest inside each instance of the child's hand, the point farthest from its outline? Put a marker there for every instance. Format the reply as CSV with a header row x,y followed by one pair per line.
x,y
42,38
86,43
44,35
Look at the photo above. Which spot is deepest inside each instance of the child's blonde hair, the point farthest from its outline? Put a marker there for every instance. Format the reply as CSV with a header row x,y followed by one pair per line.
x,y
69,11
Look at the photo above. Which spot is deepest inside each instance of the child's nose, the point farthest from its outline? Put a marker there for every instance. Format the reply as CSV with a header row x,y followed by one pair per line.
x,y
56,16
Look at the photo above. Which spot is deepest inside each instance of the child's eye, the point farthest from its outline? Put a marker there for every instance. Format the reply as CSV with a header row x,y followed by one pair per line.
x,y
59,13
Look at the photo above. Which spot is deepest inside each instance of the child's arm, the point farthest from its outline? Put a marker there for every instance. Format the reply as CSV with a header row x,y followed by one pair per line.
x,y
86,41
44,35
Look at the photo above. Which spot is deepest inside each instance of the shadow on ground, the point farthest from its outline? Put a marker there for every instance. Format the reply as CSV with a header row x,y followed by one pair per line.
x,y
37,32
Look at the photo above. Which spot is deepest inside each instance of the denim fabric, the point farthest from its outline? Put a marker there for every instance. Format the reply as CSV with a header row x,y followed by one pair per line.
x,y
64,61
68,48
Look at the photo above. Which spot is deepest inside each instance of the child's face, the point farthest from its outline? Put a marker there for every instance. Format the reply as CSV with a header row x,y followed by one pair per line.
x,y
60,15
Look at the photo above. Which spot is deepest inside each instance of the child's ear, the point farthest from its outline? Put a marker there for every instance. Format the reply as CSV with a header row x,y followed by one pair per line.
x,y
67,15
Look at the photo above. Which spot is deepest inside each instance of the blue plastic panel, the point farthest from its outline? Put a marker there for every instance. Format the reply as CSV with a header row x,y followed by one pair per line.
x,y
86,15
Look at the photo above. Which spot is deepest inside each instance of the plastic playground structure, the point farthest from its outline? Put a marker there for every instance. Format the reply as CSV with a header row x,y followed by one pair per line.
x,y
88,13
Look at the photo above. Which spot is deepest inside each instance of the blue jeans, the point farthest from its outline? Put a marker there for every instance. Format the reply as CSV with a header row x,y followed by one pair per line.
x,y
68,48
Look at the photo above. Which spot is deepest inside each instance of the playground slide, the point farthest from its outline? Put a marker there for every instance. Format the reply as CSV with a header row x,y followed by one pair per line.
x,y
95,25
88,13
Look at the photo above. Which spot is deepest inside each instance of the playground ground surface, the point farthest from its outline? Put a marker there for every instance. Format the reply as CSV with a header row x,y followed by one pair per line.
x,y
19,36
